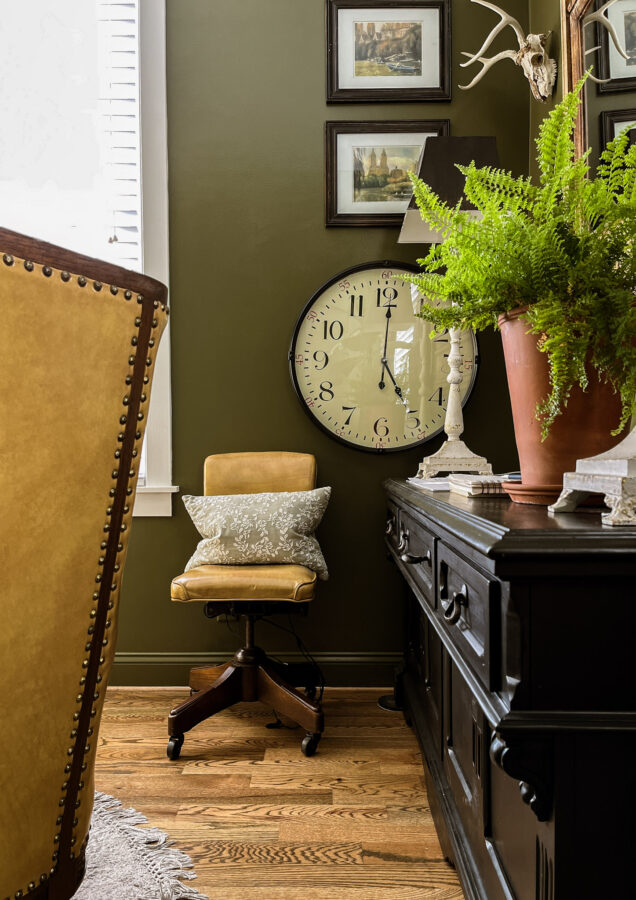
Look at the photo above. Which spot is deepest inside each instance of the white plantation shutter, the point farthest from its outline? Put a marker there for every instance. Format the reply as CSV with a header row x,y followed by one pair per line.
x,y
70,142
120,129
71,156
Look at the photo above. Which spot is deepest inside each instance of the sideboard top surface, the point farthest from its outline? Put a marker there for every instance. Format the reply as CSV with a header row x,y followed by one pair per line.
x,y
497,527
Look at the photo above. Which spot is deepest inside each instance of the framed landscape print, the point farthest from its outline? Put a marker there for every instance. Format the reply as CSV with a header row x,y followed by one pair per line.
x,y
388,51
614,122
368,163
611,65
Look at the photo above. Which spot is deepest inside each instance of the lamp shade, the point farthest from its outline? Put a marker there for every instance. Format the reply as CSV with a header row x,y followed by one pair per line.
x,y
437,167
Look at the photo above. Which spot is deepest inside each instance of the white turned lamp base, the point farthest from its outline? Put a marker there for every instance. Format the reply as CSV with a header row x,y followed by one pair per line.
x,y
453,456
613,474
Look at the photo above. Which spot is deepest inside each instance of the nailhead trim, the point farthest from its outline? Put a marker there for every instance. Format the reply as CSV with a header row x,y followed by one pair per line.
x,y
127,295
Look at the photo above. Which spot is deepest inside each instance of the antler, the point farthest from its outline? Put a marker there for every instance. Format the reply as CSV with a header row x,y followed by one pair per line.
x,y
486,64
506,20
599,17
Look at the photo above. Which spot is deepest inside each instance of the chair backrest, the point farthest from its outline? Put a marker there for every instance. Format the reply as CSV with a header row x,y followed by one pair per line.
x,y
79,339
253,473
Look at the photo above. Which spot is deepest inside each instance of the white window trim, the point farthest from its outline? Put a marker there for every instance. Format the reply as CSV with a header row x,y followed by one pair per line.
x,y
154,497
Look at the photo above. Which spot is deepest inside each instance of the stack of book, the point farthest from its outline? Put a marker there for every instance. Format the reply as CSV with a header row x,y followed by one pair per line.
x,y
477,485
430,484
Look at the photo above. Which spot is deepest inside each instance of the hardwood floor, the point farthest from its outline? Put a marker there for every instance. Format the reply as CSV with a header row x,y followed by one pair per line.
x,y
260,820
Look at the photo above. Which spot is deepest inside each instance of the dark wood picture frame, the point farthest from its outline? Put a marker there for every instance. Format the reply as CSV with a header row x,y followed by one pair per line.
x,y
436,127
612,117
399,93
613,85
574,64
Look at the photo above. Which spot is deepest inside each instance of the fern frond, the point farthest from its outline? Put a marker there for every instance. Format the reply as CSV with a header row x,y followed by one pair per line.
x,y
564,248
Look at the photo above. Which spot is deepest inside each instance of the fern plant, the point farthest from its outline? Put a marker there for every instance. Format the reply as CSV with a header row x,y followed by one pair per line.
x,y
563,247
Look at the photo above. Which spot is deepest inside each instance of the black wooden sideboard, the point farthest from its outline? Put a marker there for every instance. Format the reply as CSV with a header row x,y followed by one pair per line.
x,y
519,681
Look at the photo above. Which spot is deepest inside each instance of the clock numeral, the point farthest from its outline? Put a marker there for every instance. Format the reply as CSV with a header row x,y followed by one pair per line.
x,y
387,274
324,360
334,330
436,396
346,409
441,339
421,435
379,445
343,285
312,314
380,427
309,401
468,364
360,301
389,294
410,414
300,359
325,391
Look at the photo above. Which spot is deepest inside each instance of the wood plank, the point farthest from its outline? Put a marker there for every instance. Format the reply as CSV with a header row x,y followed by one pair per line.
x,y
432,879
233,853
261,767
250,811
387,787
373,832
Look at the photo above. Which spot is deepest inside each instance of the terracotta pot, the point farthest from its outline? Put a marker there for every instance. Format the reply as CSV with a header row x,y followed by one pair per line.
x,y
583,429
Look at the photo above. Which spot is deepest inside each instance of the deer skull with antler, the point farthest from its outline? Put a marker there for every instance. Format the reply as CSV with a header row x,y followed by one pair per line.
x,y
538,67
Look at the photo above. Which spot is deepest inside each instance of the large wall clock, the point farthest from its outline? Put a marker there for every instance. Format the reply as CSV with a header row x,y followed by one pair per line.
x,y
363,365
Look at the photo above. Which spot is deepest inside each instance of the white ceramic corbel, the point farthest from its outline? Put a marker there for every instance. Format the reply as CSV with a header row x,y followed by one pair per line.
x,y
613,474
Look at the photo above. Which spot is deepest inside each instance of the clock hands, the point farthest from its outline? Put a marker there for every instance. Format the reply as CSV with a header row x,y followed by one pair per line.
x,y
398,390
381,383
384,361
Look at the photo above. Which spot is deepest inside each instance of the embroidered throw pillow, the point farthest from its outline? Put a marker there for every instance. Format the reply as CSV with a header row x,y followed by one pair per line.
x,y
244,529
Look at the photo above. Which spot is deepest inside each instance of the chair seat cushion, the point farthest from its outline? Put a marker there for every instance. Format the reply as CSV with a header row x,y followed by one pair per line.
x,y
276,582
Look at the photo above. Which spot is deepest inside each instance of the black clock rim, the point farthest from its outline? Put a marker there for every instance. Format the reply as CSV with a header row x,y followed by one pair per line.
x,y
378,263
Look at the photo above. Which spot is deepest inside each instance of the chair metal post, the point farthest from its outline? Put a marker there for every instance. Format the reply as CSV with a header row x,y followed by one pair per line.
x,y
249,632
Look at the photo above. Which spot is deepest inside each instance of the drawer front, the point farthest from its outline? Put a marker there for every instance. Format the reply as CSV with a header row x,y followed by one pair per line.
x,y
466,762
424,659
416,548
465,601
434,661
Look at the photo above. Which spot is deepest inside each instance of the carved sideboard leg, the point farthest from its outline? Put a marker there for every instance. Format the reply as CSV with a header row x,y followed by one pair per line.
x,y
530,761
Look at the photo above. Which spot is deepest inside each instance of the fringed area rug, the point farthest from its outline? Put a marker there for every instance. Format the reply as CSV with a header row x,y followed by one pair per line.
x,y
126,862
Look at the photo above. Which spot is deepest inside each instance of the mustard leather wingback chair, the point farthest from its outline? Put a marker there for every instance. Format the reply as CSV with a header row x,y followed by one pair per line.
x,y
79,339
252,592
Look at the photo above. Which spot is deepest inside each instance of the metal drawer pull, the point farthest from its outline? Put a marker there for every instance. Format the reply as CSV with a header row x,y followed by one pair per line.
x,y
453,611
390,525
410,558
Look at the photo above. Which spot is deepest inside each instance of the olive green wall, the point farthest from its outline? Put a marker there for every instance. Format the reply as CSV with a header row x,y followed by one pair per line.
x,y
246,118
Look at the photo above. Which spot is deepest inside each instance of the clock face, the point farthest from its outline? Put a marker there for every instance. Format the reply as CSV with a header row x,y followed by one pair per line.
x,y
363,364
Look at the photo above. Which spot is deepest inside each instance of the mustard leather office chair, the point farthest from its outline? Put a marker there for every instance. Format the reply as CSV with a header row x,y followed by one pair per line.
x,y
79,339
251,591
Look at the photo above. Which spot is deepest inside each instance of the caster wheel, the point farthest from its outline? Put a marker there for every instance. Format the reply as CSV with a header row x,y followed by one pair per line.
x,y
310,743
311,691
173,750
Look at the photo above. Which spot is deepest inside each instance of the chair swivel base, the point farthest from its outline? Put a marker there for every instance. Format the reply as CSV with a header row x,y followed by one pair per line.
x,y
249,676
